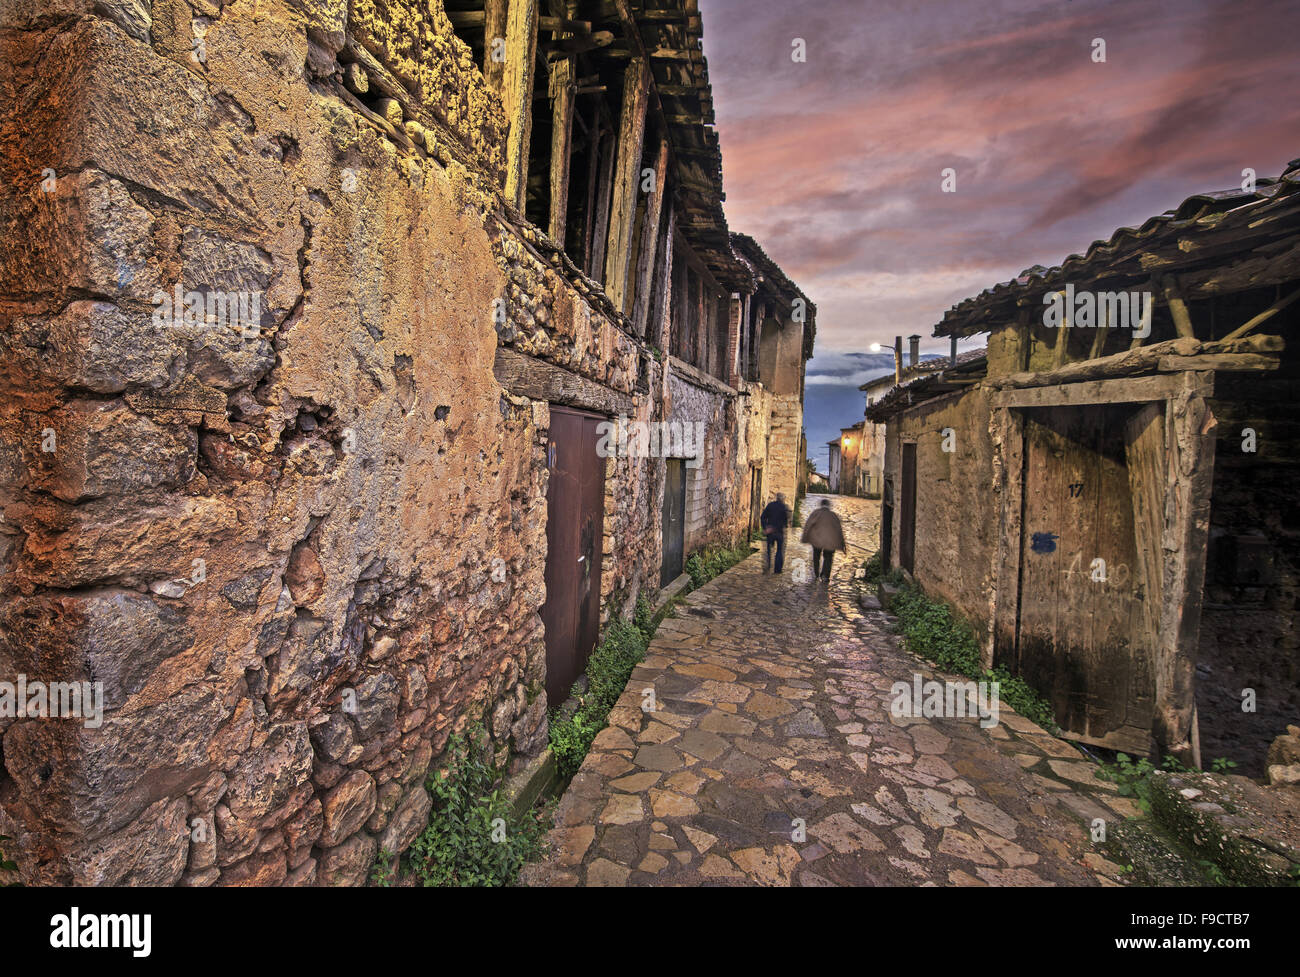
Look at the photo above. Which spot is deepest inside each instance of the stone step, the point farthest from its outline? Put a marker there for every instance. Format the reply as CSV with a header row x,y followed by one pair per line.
x,y
1249,832
1156,857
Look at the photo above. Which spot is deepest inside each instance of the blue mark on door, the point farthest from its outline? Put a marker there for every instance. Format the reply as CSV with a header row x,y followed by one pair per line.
x,y
1044,542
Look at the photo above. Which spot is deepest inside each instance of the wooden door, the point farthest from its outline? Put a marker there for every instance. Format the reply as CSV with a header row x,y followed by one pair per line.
x,y
674,521
575,522
755,498
1078,635
907,503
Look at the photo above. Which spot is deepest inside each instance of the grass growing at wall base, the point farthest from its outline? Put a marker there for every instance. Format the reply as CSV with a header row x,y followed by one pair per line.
x,y
474,838
932,631
705,564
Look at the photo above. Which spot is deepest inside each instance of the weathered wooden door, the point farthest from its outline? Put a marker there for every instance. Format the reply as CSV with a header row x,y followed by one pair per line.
x,y
674,521
575,522
1078,636
907,521
755,498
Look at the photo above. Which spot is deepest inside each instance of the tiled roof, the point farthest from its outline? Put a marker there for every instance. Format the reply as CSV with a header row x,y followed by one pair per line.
x,y
1205,229
926,384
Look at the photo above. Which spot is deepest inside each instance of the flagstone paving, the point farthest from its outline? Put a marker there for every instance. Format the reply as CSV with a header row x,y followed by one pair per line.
x,y
766,755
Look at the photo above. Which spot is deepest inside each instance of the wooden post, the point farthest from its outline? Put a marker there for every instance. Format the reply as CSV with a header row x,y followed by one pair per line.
x,y
600,223
1006,428
1178,309
1148,467
494,26
663,328
649,242
517,94
627,178
1062,346
1189,426
561,88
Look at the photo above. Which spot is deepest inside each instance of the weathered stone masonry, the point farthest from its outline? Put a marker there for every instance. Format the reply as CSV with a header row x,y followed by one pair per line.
x,y
296,560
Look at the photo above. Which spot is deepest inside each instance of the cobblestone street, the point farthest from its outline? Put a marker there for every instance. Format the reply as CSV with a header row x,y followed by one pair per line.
x,y
772,715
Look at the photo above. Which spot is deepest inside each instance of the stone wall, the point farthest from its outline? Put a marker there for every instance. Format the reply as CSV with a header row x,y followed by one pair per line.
x,y
1250,622
953,556
298,556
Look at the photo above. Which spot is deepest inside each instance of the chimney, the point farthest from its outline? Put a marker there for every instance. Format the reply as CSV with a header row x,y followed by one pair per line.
x,y
898,359
952,355
914,350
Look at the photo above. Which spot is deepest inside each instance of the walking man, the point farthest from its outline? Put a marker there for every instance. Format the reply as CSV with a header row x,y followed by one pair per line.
x,y
774,520
825,535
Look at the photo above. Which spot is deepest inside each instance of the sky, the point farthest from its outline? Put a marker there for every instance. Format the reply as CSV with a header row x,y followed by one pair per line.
x,y
835,164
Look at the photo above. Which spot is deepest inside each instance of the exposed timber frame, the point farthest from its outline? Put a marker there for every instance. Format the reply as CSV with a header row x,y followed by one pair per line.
x,y
517,94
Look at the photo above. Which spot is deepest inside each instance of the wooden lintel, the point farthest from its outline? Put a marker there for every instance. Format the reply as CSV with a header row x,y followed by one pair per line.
x,y
527,376
1126,390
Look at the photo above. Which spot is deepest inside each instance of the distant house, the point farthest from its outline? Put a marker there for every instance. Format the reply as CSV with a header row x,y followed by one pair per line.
x,y
1107,493
833,471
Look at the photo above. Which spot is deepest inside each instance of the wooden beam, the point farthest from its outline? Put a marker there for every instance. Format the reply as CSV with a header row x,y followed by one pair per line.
x,y
517,94
1264,316
1129,390
649,242
1142,360
527,376
1227,362
627,178
1178,309
561,86
494,26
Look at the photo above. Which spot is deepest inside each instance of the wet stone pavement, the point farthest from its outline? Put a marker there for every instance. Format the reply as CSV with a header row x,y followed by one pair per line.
x,y
771,757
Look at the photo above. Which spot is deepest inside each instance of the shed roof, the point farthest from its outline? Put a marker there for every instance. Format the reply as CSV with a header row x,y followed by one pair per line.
x,y
1194,240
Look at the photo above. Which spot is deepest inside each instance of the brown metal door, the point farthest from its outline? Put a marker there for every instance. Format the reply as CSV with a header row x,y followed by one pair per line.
x,y
674,521
574,538
1079,608
907,527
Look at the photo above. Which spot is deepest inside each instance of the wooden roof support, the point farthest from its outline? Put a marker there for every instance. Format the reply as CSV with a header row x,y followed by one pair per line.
x,y
627,179
1145,359
1178,309
649,242
561,89
517,94
1264,316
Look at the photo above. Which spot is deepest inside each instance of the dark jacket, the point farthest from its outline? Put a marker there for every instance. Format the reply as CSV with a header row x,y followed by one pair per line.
x,y
775,517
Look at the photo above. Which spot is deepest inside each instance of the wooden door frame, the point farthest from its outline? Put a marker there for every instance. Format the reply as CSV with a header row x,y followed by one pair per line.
x,y
1184,528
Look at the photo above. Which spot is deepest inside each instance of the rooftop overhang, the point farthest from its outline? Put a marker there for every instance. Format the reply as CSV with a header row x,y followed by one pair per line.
x,y
1213,243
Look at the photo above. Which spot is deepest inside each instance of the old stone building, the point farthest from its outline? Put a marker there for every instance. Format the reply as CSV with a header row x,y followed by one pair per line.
x,y
1109,495
316,316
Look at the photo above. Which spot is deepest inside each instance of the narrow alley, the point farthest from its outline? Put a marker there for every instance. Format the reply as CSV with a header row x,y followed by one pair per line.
x,y
771,714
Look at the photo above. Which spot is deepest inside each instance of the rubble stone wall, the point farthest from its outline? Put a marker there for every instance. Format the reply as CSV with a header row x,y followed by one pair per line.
x,y
299,555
